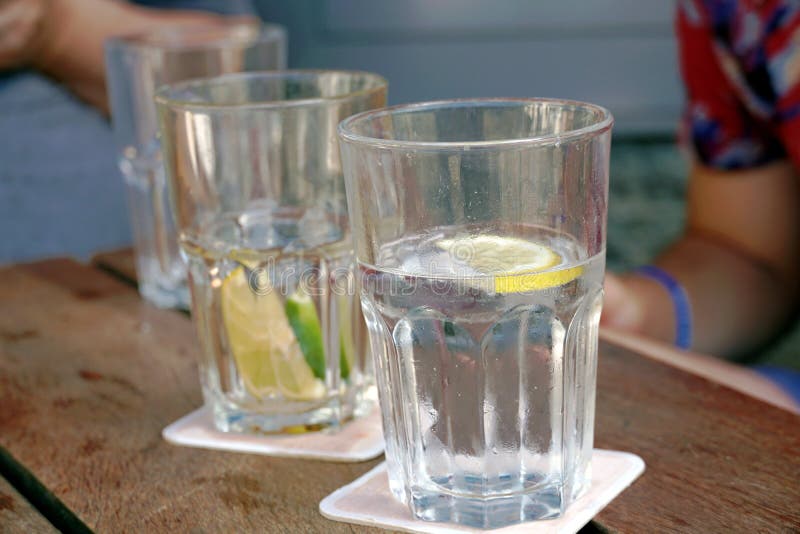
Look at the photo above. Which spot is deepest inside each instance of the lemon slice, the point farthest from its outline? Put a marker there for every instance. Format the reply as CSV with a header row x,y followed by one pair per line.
x,y
295,379
516,265
267,354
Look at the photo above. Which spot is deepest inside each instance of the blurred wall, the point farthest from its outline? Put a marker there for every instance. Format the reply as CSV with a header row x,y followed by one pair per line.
x,y
618,53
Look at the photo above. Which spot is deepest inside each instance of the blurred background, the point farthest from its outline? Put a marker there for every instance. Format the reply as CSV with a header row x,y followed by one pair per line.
x,y
617,53
61,194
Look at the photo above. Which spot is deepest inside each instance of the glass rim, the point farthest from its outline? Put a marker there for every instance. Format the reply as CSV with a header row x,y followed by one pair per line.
x,y
346,132
163,94
174,39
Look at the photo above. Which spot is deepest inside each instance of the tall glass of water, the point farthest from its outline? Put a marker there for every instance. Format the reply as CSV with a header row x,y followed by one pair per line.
x,y
479,230
254,170
137,65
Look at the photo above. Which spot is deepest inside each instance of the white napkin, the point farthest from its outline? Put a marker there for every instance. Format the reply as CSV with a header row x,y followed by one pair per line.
x,y
368,500
356,441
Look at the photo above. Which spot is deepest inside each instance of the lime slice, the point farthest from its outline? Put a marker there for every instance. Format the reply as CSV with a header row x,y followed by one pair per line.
x,y
517,265
346,344
266,352
302,315
345,357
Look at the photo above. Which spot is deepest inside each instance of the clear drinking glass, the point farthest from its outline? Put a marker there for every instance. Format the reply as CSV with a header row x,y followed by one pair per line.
x,y
136,66
479,229
254,170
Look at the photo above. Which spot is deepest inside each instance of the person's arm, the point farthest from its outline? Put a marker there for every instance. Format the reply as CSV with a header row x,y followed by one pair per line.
x,y
64,38
739,262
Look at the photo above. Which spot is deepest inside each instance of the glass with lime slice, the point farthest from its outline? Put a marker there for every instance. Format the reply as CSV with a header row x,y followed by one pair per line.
x,y
253,164
291,344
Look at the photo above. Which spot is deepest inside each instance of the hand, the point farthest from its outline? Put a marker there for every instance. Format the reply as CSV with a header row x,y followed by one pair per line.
x,y
638,305
21,31
72,33
621,306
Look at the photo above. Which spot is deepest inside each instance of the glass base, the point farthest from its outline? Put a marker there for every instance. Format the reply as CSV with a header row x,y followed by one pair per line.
x,y
166,297
230,418
489,513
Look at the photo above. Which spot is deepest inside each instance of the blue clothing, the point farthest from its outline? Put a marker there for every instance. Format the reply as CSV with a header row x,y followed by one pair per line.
x,y
60,190
223,7
787,379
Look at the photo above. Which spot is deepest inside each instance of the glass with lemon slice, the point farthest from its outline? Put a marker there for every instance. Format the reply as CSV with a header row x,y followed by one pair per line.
x,y
256,181
480,238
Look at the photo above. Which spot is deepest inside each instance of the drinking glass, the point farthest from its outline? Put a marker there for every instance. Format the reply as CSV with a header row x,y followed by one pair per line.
x,y
137,65
479,229
254,171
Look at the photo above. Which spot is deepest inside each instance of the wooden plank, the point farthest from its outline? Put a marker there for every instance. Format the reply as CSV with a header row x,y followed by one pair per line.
x,y
17,515
89,375
120,263
717,459
734,376
107,372
29,487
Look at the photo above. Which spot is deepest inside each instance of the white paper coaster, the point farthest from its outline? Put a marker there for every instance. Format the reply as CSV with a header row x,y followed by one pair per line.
x,y
356,441
368,501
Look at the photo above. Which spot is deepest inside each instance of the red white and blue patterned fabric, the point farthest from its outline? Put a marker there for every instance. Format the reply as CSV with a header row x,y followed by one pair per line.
x,y
740,61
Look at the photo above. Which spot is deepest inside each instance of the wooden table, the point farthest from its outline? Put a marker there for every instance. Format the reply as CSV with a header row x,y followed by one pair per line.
x,y
90,374
17,514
